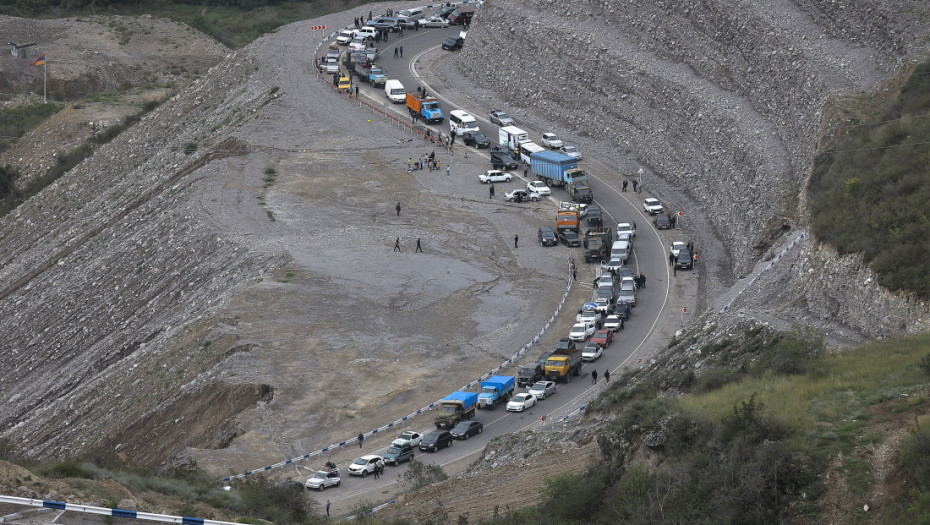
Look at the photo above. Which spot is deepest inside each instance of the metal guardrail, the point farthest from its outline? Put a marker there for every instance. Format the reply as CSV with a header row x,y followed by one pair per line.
x,y
116,513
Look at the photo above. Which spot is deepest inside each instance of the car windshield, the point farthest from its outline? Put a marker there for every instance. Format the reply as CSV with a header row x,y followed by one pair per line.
x,y
570,149
361,461
488,389
394,450
319,475
431,438
447,409
502,116
461,427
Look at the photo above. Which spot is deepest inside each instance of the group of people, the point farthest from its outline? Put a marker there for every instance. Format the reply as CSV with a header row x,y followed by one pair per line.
x,y
626,183
428,162
594,376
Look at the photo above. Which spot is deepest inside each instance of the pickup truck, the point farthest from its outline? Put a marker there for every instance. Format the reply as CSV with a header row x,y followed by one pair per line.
x,y
428,108
563,364
456,407
494,390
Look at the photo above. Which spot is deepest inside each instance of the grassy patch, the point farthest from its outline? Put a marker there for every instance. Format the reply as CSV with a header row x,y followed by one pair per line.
x,y
16,122
869,191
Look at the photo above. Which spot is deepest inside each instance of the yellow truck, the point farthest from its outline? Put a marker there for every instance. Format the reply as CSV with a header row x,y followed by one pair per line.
x,y
563,364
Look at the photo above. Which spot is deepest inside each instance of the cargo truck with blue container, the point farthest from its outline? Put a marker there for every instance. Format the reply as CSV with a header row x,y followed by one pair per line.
x,y
455,407
559,169
494,390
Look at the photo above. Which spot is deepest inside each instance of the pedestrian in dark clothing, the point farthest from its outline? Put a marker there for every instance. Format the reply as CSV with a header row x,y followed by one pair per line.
x,y
416,27
525,170
395,52
398,209
356,91
328,503
516,239
335,79
377,472
671,259
594,376
451,140
361,437
607,375
634,186
621,323
624,184
675,270
574,274
369,15
397,245
491,192
419,248
385,36
642,278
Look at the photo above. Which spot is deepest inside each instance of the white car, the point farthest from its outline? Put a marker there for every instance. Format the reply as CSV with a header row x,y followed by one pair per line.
x,y
331,66
612,265
626,237
433,21
522,195
322,479
345,36
625,227
495,176
586,316
582,331
365,465
652,206
602,303
551,140
612,322
408,438
542,389
676,247
571,151
591,352
358,44
366,32
538,186
521,402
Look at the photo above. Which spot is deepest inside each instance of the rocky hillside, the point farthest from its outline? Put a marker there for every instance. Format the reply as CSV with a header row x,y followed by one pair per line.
x,y
720,104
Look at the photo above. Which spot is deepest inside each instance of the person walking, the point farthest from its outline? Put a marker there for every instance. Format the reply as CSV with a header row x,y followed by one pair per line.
x,y
397,246
491,192
448,171
328,503
356,91
574,274
671,259
675,270
516,240
625,182
395,52
594,377
398,209
361,437
377,472
419,248
607,375
634,186
525,170
409,163
401,47
642,280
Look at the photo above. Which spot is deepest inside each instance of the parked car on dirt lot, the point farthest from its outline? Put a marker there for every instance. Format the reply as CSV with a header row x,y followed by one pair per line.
x,y
685,260
521,402
519,195
466,429
453,43
501,119
547,236
569,238
542,389
652,206
495,176
365,465
676,247
662,222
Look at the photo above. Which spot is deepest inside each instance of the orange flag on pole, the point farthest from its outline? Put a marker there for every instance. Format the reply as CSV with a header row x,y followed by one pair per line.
x,y
39,61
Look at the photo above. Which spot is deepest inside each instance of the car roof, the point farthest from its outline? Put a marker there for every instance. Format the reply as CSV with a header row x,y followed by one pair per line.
x,y
370,456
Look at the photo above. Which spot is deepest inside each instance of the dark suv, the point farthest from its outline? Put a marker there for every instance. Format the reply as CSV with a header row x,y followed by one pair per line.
x,y
395,455
595,216
502,161
662,222
453,43
565,344
569,237
476,139
547,237
436,440
685,260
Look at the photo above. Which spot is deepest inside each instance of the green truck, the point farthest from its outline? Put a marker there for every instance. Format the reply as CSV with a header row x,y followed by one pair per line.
x,y
455,407
597,244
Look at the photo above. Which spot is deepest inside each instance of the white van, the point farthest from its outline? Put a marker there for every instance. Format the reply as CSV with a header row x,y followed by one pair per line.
x,y
620,250
395,91
460,122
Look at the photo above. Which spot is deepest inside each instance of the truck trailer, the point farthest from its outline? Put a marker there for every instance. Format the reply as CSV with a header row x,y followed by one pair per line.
x,y
428,108
494,390
553,167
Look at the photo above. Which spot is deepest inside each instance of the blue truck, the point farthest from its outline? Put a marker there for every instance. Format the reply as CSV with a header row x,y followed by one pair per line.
x,y
426,107
559,169
494,390
455,407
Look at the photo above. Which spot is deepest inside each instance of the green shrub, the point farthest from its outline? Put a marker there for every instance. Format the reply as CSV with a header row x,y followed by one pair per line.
x,y
915,456
420,475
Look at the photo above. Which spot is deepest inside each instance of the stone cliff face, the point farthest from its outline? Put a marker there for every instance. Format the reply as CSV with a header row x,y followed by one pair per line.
x,y
719,102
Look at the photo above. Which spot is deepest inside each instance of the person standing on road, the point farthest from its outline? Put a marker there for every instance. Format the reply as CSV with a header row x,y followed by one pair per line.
x,y
409,163
395,52
401,47
448,171
634,186
398,209
361,437
516,239
525,170
397,246
607,375
594,377
491,192
625,182
328,503
642,280
419,248
377,472
675,270
671,259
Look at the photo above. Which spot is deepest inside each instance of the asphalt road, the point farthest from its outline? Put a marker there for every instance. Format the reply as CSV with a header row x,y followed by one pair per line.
x,y
649,257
